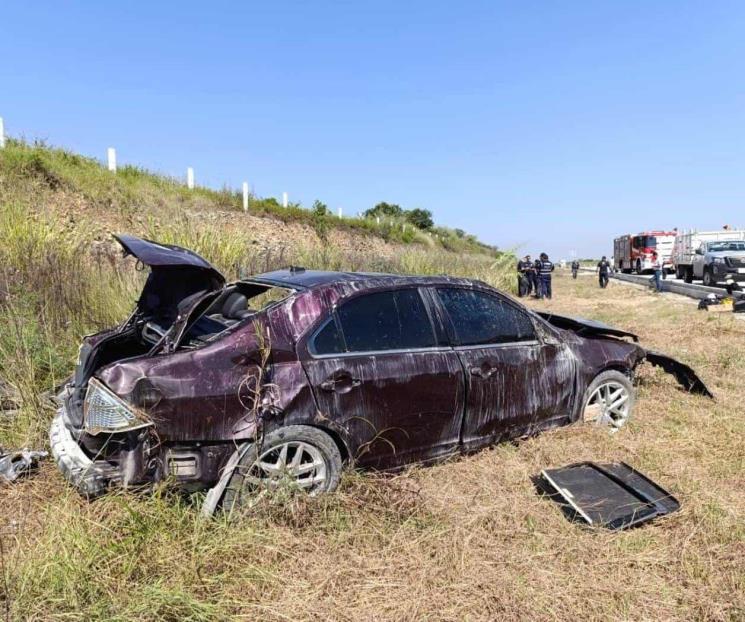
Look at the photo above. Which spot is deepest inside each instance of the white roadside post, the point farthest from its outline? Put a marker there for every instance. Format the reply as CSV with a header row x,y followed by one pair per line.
x,y
111,157
339,211
2,133
190,178
377,218
245,196
284,199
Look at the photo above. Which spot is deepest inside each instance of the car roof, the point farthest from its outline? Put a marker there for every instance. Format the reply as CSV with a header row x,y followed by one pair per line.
x,y
299,277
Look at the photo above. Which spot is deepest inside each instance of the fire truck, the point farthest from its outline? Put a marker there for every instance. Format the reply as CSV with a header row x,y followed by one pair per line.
x,y
633,252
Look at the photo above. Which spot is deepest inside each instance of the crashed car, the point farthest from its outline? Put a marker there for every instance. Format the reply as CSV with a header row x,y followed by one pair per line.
x,y
291,374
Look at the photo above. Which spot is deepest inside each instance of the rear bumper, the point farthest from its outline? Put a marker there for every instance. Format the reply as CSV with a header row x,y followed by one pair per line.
x,y
136,463
91,478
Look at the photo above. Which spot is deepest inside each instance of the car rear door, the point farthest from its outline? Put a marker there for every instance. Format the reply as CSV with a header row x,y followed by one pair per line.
x,y
378,370
516,380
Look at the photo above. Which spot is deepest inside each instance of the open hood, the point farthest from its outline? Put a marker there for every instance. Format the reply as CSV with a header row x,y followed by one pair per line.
x,y
175,274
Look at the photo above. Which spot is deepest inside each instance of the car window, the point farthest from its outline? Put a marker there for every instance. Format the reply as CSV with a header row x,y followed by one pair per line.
x,y
328,340
479,318
386,321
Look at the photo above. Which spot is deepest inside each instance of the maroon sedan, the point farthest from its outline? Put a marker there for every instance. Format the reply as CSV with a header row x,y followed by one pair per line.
x,y
291,374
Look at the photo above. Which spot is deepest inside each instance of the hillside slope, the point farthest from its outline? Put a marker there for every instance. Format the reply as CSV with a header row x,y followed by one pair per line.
x,y
79,190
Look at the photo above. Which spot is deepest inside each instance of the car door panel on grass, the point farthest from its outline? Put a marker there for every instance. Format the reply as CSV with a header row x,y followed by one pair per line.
x,y
377,370
515,380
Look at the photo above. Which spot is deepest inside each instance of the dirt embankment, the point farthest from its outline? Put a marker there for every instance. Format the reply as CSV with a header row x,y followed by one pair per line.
x,y
266,232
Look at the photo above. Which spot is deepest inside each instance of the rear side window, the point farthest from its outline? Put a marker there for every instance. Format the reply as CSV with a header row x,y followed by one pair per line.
x,y
328,340
479,318
376,322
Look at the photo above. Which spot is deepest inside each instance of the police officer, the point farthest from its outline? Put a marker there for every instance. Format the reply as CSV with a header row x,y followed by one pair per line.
x,y
603,269
545,268
524,282
575,268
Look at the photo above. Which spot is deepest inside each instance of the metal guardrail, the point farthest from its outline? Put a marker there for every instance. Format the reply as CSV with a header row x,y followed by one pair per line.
x,y
684,289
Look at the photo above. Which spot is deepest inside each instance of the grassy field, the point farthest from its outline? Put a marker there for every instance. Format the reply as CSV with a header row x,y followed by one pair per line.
x,y
467,539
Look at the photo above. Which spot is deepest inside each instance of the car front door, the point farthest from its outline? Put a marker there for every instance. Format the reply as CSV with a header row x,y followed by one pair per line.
x,y
516,380
378,371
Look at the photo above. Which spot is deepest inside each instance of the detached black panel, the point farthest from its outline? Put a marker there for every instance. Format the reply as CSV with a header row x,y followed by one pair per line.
x,y
611,495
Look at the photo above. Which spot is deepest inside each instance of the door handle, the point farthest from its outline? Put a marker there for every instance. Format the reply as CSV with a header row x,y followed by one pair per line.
x,y
342,384
483,372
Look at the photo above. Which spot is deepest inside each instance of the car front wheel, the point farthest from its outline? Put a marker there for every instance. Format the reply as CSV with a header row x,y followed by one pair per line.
x,y
709,279
297,456
609,400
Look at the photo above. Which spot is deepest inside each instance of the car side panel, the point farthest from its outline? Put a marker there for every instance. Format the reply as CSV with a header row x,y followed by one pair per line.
x,y
533,383
407,407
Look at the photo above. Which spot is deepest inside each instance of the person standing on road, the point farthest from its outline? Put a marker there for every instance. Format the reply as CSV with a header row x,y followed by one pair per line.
x,y
657,267
524,280
545,268
603,269
575,268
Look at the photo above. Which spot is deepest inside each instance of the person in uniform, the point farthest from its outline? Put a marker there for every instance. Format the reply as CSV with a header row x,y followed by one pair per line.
x,y
545,268
575,268
524,276
603,270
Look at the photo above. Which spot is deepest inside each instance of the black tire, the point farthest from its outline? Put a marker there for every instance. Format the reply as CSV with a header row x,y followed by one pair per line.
x,y
688,278
679,274
610,377
709,279
239,494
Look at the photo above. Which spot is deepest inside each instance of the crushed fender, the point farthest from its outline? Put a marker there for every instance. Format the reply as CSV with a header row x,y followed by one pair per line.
x,y
585,327
684,375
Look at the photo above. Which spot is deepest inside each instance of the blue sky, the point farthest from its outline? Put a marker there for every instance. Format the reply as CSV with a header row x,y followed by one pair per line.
x,y
541,125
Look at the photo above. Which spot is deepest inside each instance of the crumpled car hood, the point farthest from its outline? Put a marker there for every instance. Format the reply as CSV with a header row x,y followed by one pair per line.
x,y
585,327
683,373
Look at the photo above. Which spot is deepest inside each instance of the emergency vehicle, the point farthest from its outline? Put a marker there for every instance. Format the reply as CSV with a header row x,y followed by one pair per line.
x,y
633,252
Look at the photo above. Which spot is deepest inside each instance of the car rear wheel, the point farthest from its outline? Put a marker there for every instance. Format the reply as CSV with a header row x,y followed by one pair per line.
x,y
295,456
688,278
609,400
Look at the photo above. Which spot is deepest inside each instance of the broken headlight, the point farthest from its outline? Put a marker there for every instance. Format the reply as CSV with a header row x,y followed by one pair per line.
x,y
104,411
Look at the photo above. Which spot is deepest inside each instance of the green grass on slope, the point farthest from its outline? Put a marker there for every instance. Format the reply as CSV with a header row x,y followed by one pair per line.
x,y
132,187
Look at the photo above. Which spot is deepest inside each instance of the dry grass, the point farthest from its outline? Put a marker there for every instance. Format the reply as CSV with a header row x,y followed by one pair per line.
x,y
465,540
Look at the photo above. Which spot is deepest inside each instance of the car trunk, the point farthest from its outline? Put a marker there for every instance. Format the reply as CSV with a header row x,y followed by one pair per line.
x,y
179,281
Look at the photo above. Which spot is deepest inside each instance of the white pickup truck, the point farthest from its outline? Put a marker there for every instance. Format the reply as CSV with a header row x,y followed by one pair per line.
x,y
711,256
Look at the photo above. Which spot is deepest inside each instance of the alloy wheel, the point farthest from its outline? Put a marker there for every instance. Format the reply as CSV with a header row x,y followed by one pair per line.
x,y
609,405
296,463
